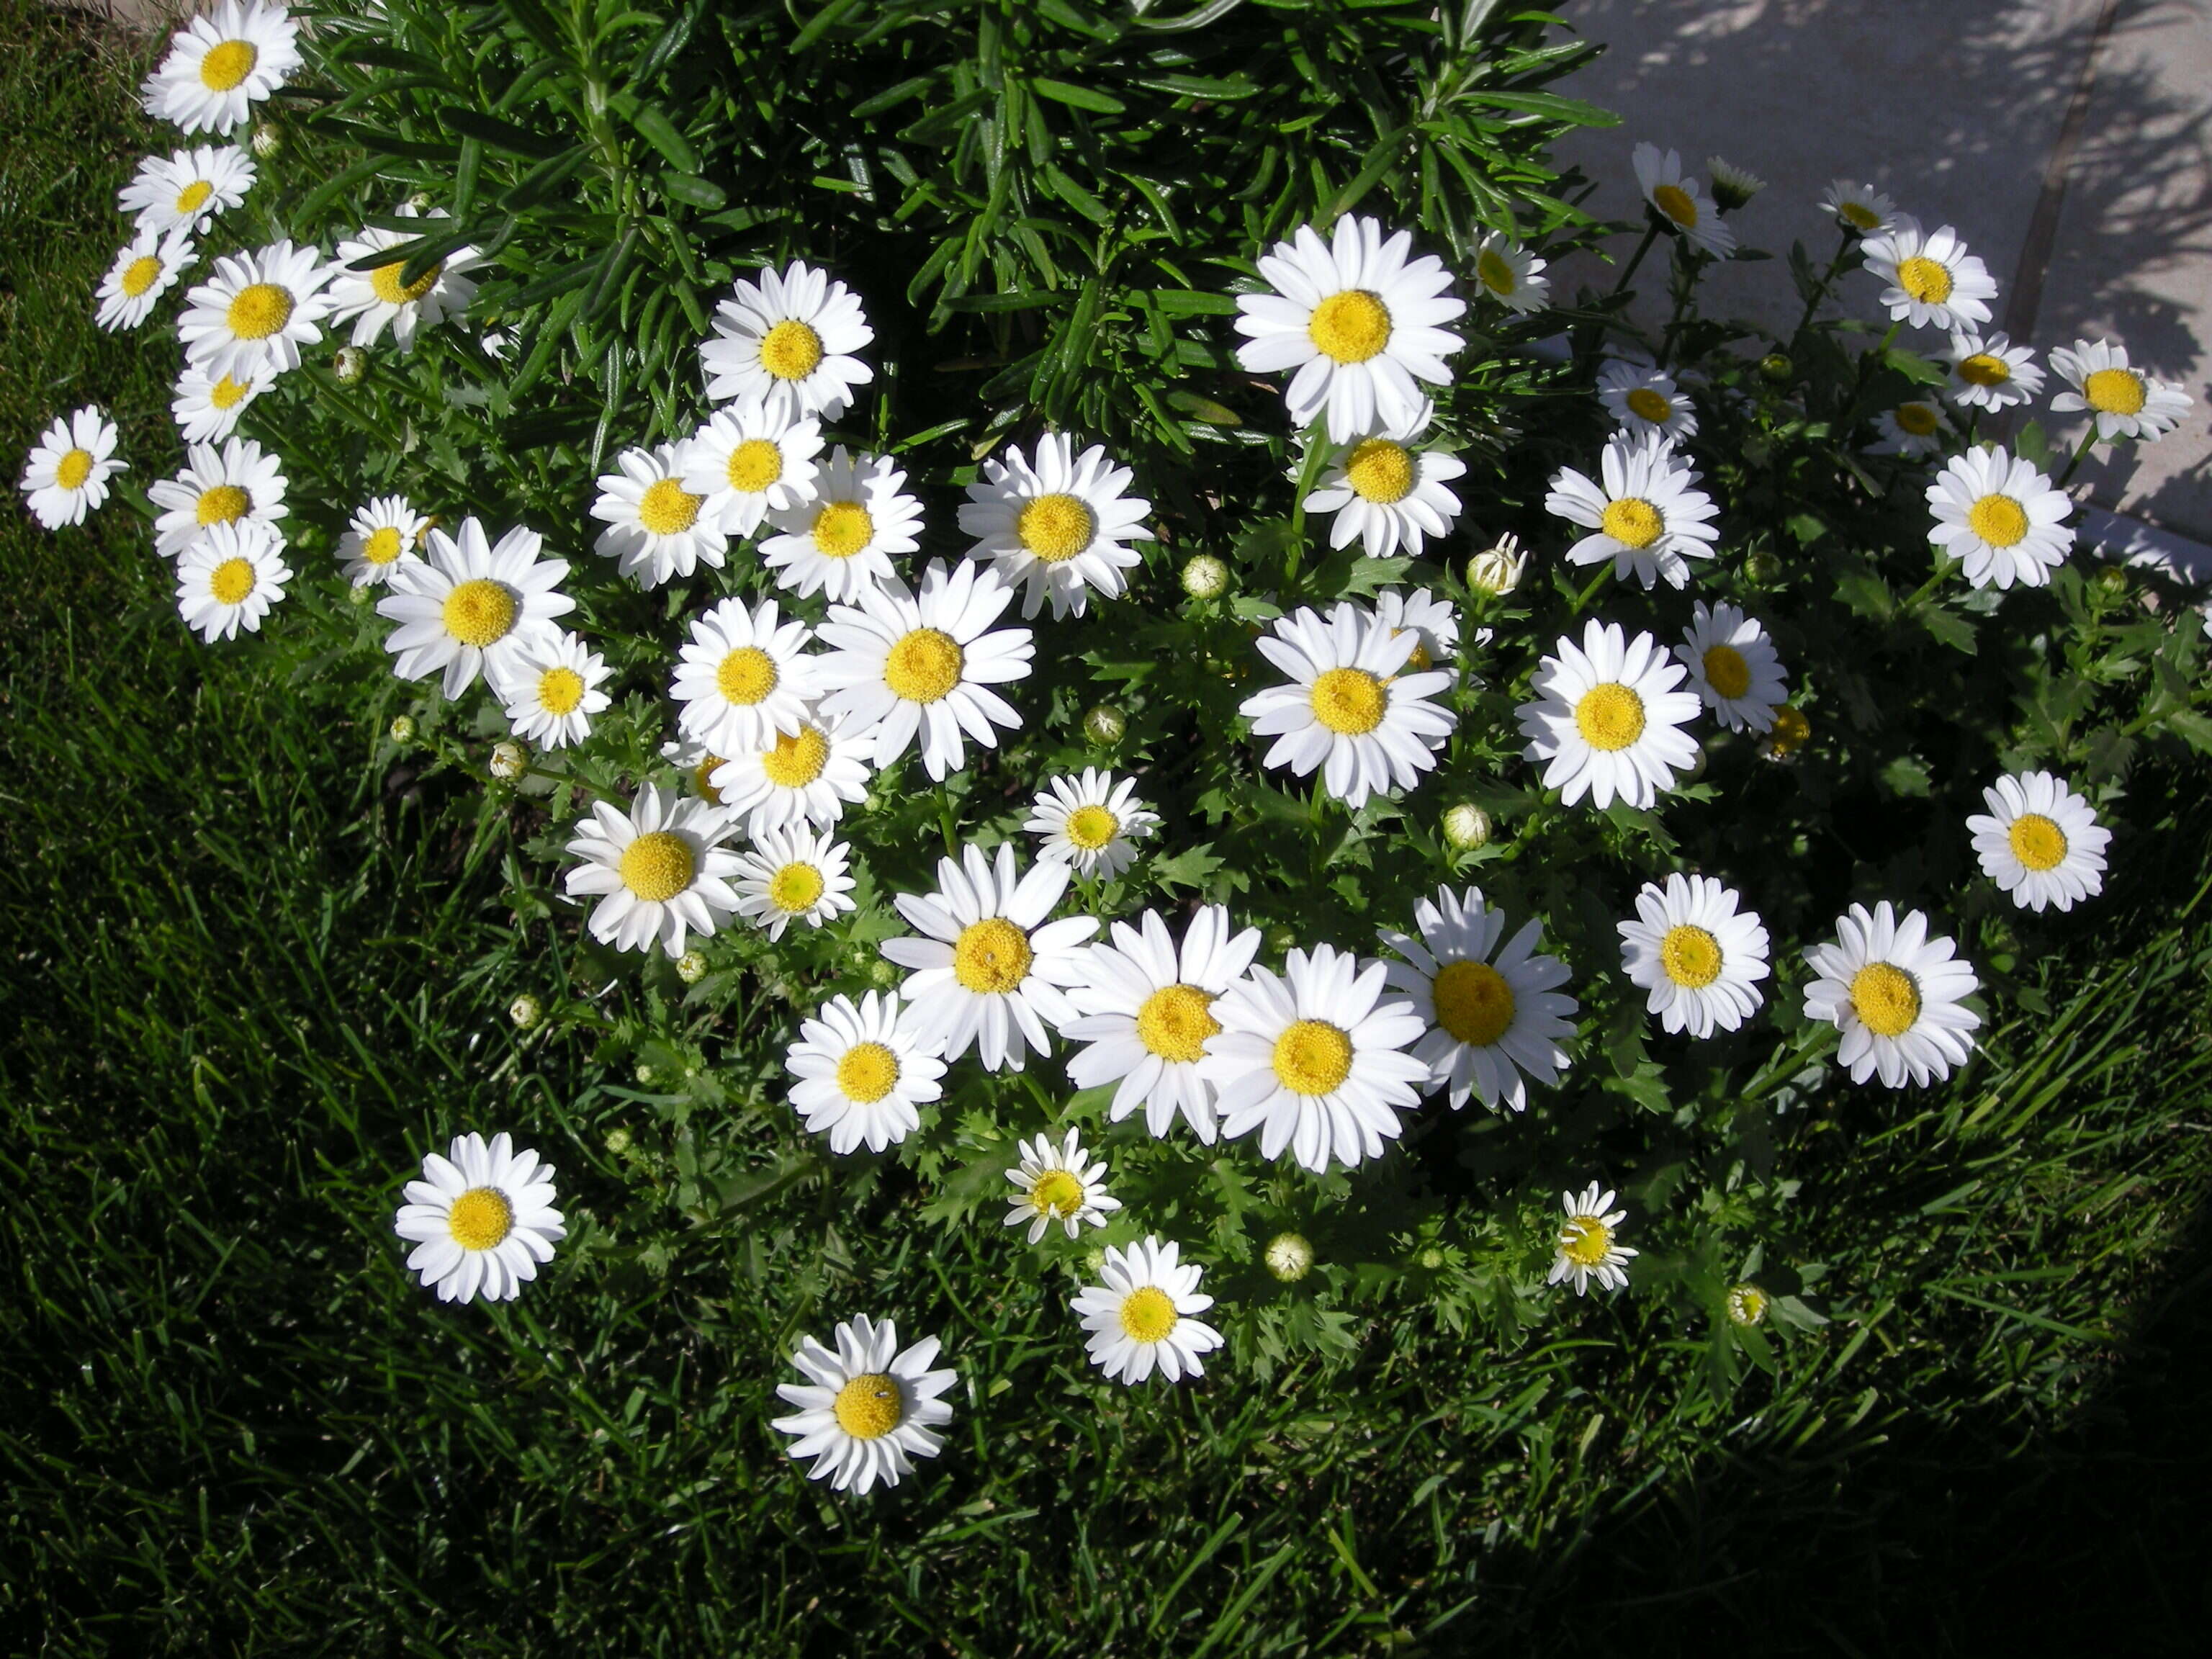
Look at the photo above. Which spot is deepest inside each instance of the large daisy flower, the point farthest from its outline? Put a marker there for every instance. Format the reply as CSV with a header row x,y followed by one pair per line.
x,y
1511,275
188,188
482,1219
656,529
1646,515
748,464
1698,956
1733,667
794,875
1091,822
1680,204
1860,209
221,64
1608,719
792,778
550,688
382,536
838,540
1387,495
146,268
1492,1014
256,311
1351,709
1932,278
1058,1185
1058,528
659,870
466,606
1359,322
227,579
785,344
2041,842
67,473
2125,402
1895,994
376,299
238,484
744,677
1586,1247
2001,517
861,1072
868,1410
1988,371
1142,1315
207,406
1644,401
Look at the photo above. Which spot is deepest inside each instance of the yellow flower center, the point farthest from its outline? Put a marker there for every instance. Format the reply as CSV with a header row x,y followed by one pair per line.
x,y
1349,700
1984,368
746,674
1858,216
924,666
227,64
1998,520
1148,1314
795,887
991,957
1350,327
1917,420
1495,272
1689,956
480,1218
231,580
381,546
1609,716
73,468
1091,827
1057,1194
868,1407
754,466
1648,404
1313,1057
1633,521
140,274
559,690
1791,728
1057,527
384,279
2114,391
1473,1002
1380,470
658,866
2037,842
259,310
1420,661
1584,1241
1925,279
1886,998
1176,1023
796,759
1677,204
224,504
480,612
667,508
702,779
868,1072
843,529
790,351
228,393
1726,670
190,197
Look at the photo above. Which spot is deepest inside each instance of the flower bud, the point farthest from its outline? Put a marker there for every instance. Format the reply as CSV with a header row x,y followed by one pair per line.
x,y
419,202
358,596
644,1076
268,140
1105,725
1289,1257
350,365
402,729
1776,369
525,1011
1762,565
1467,827
1746,1304
509,760
1205,577
1094,1261
1430,1259
1496,570
618,1141
691,967
1282,937
883,974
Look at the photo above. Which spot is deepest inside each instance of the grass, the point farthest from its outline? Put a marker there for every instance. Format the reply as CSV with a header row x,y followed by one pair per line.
x,y
261,961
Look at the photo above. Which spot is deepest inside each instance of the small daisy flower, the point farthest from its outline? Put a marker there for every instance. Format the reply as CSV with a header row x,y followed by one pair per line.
x,y
1058,528
1058,1184
1142,1315
2125,402
868,1410
1644,511
2000,517
1914,429
838,541
256,311
1733,667
145,269
745,676
1699,958
229,578
1091,822
1679,203
186,190
482,1220
1511,275
1147,1015
1359,322
1493,1015
551,687
381,536
698,764
67,473
784,344
656,529
376,299
207,406
861,1072
1608,718
221,64
793,778
1860,209
746,463
1387,495
1895,994
1352,709
1585,1247
1932,281
659,870
237,484
794,875
2041,841
1733,186
1990,372
1432,622
1645,401
466,607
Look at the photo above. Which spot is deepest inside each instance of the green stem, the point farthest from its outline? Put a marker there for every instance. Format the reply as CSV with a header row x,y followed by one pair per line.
x,y
2080,454
1820,288
1650,234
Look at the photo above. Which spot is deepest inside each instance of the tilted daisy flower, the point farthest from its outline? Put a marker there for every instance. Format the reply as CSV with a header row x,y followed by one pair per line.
x,y
1091,822
794,875
745,676
1147,1015
1914,429
1359,322
238,484
923,664
1645,401
1057,528
1678,201
747,463
868,1410
1932,281
1493,1015
2001,518
1895,994
1315,1058
466,607
256,311
1511,275
1643,512
1607,718
1058,1185
2040,842
482,1219
659,870
376,299
1990,372
382,536
221,64
1142,1315
145,269
1733,186
188,188
1699,956
988,968
656,529
838,540
67,473
550,688
785,343
1432,622
861,1072
1733,667
1351,709
793,778
1386,494
207,406
227,579
2125,402
1860,209
1586,1247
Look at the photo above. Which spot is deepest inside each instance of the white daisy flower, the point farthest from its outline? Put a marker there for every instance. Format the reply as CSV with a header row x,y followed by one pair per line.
x,y
1056,529
1491,1014
188,188
989,967
482,1220
2041,842
383,535
861,1072
793,778
145,269
1091,822
838,541
1060,1184
747,464
551,687
744,677
2001,517
1733,186
1699,958
785,344
229,578
1990,372
221,64
1142,1315
1608,718
1352,709
67,472
794,875
1645,401
659,870
656,529
1860,209
466,606
698,764
1585,1248
1679,201
1511,275
1932,281
1387,495
907,664
1895,994
868,1410
1646,515
237,484
207,406
1915,429
256,311
376,299
1733,667
1146,1007
1359,322
1432,622
2125,402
